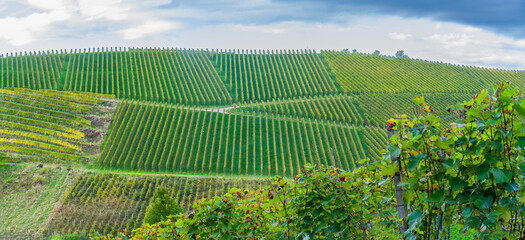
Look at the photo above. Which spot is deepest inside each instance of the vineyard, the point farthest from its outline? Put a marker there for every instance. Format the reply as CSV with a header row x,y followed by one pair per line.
x,y
197,122
109,203
337,108
375,113
366,73
161,75
256,76
44,124
31,70
206,141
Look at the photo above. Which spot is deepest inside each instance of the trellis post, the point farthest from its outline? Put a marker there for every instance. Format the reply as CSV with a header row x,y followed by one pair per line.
x,y
398,178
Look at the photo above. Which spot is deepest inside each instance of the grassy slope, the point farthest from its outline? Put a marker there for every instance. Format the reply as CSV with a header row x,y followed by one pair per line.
x,y
29,195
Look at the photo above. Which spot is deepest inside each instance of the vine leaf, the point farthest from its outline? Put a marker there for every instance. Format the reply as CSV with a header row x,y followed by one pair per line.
x,y
500,176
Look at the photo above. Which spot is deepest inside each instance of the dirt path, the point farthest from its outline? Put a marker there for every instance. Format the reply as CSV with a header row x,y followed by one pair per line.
x,y
225,109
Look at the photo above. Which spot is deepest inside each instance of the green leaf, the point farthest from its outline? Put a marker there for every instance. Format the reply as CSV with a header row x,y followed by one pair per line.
x,y
419,100
467,212
436,196
481,96
483,201
511,187
445,144
520,108
450,163
500,176
395,151
521,142
414,218
498,145
457,183
390,170
216,233
522,168
366,197
504,99
505,133
382,182
482,172
413,162
503,212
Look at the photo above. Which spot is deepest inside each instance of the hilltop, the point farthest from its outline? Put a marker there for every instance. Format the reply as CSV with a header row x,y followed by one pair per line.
x,y
126,121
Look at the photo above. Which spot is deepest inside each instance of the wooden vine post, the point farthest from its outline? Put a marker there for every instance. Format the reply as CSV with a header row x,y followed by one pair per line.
x,y
398,178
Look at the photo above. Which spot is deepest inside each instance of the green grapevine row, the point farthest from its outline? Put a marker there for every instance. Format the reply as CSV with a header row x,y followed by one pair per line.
x,y
379,107
109,203
31,70
365,73
264,75
337,108
211,142
165,75
43,123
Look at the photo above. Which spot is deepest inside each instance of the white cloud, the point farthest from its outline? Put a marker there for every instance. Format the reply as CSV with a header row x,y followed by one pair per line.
x,y
19,31
89,23
399,36
148,28
271,29
48,4
114,10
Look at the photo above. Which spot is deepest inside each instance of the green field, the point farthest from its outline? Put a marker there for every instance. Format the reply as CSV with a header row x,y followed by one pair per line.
x,y
196,121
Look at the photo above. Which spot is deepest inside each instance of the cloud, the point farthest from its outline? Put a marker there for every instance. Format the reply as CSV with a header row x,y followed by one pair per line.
x,y
113,10
148,28
399,36
259,28
19,31
52,19
502,16
487,33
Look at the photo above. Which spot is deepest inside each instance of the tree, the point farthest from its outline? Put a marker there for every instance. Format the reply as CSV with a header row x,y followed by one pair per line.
x,y
162,207
401,54
376,52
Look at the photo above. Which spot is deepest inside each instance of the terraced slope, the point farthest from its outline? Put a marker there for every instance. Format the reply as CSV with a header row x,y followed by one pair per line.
x,y
162,75
491,76
109,203
233,114
337,108
207,141
265,75
44,124
367,73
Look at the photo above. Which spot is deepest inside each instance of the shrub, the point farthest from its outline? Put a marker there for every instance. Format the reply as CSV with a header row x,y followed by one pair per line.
x,y
319,203
471,174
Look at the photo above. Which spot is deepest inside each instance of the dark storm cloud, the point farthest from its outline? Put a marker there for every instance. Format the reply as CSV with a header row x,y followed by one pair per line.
x,y
502,16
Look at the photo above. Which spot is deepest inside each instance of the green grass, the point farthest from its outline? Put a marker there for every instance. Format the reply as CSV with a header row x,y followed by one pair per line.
x,y
29,196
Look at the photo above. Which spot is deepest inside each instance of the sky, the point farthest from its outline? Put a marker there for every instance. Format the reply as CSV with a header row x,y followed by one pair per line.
x,y
487,33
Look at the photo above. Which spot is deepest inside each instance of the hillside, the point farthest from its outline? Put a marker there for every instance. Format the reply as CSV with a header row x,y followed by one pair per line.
x,y
125,121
